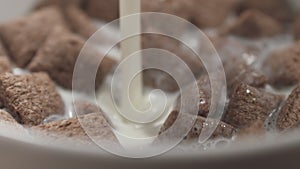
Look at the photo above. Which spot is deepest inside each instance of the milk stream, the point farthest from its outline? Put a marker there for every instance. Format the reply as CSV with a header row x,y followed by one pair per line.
x,y
129,45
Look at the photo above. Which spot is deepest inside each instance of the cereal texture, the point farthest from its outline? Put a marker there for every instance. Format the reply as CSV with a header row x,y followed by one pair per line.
x,y
257,129
24,36
30,98
223,130
242,56
204,96
248,104
282,66
59,54
289,115
72,128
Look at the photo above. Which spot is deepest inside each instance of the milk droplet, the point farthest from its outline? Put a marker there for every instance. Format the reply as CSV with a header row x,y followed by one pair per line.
x,y
249,58
202,101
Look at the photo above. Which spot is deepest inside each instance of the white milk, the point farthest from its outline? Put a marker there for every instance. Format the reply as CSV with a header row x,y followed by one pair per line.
x,y
128,27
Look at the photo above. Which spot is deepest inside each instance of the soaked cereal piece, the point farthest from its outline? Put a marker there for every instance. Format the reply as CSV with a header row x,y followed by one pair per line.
x,y
60,64
256,129
205,96
27,113
73,129
282,67
30,98
24,36
242,57
223,130
289,115
248,104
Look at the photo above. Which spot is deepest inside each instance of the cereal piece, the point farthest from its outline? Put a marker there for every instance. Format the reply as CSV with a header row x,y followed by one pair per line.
x,y
58,57
23,37
232,52
243,73
102,9
254,24
282,67
59,3
289,115
31,98
205,96
205,15
159,79
72,128
249,76
256,129
80,22
5,65
278,9
223,130
248,104
68,128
